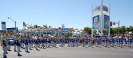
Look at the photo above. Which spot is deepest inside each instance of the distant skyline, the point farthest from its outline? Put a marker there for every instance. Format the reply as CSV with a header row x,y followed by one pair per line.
x,y
71,13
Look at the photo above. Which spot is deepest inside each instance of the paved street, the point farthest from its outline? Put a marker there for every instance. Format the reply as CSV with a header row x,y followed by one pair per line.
x,y
74,52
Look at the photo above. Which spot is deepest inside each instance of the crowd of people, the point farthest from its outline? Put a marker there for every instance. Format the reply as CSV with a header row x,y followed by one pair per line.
x,y
28,42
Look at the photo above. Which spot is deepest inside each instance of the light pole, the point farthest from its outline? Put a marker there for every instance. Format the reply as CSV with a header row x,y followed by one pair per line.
x,y
13,21
62,30
101,8
118,26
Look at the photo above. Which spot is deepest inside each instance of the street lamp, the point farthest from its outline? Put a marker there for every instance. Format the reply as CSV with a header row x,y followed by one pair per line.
x,y
13,21
118,26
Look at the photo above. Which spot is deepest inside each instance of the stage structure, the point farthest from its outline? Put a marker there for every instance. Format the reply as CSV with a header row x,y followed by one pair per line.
x,y
101,19
3,25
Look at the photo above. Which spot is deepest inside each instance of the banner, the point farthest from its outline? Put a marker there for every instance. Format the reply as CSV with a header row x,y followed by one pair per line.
x,y
96,22
106,22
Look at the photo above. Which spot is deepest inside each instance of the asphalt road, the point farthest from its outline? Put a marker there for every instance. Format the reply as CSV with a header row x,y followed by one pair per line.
x,y
74,52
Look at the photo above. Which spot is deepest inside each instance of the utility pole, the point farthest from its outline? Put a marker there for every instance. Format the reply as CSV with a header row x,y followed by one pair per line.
x,y
118,27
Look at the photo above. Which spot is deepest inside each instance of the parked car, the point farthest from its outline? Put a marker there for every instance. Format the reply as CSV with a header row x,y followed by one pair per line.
x,y
1,38
11,40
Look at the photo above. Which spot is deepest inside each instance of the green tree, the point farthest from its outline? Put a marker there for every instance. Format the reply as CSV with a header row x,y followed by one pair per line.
x,y
131,28
115,30
67,34
87,29
105,31
123,29
111,31
127,29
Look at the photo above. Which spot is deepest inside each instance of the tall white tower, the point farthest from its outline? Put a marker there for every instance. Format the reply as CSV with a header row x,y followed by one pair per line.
x,y
102,19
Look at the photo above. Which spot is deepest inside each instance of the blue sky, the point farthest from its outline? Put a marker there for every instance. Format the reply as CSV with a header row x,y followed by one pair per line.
x,y
71,13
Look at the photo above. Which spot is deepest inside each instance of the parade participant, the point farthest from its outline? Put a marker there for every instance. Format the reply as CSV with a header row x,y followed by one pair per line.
x,y
109,41
61,42
102,40
89,41
18,47
33,37
54,40
4,45
36,44
8,45
26,46
15,39
96,41
7,41
47,39
116,40
32,40
22,42
83,41
86,40
24,38
124,40
73,41
64,41
77,41
5,37
129,41
39,41
28,40
43,41
69,42
121,40
30,43
106,41
112,41
50,41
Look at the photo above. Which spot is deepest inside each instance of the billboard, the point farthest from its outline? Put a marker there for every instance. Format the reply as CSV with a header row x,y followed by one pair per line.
x,y
96,22
3,25
106,22
10,29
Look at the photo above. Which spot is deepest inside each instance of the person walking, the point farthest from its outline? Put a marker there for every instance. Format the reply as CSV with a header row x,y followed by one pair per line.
x,y
26,46
18,47
4,46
